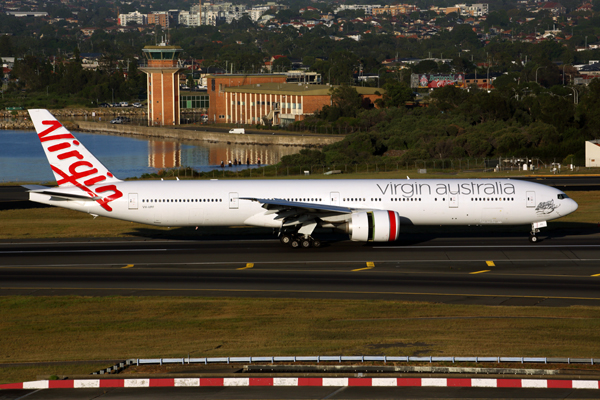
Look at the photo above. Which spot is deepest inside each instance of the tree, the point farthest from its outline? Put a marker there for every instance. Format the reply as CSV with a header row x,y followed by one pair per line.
x,y
6,47
282,64
589,109
396,95
345,102
425,67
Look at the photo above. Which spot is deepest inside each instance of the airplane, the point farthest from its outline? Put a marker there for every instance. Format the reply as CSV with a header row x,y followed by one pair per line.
x,y
367,210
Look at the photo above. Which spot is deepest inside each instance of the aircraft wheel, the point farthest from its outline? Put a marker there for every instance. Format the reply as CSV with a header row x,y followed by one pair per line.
x,y
305,243
285,239
533,239
316,243
295,244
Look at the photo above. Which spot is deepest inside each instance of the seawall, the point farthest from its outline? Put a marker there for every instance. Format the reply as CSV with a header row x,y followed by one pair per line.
x,y
204,134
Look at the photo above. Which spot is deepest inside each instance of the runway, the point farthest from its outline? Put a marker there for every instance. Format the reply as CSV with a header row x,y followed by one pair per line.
x,y
184,393
558,271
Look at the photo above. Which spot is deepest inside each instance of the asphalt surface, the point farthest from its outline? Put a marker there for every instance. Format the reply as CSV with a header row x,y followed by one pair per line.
x,y
297,393
557,271
560,270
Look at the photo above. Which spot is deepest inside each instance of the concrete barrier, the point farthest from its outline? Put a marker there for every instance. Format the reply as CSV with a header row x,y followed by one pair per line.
x,y
209,136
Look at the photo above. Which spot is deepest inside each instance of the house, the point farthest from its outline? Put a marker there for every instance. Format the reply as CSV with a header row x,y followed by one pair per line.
x,y
554,8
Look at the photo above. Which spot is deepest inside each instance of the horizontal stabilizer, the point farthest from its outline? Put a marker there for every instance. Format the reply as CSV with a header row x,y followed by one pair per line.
x,y
35,187
68,196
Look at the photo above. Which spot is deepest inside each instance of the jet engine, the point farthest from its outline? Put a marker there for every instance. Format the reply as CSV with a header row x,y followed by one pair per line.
x,y
374,226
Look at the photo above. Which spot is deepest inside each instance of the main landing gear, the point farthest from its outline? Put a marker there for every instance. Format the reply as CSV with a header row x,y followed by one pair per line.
x,y
297,241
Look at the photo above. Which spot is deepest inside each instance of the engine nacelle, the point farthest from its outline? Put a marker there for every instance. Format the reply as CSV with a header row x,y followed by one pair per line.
x,y
374,226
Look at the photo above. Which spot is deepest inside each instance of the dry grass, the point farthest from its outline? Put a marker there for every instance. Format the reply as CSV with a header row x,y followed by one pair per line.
x,y
27,373
76,328
56,222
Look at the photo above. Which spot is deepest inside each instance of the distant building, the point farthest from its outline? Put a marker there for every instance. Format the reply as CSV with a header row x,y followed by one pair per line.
x,y
368,8
137,17
159,18
394,10
35,14
475,10
554,8
592,153
188,18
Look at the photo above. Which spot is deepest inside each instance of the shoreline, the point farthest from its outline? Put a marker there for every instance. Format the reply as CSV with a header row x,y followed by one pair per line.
x,y
203,133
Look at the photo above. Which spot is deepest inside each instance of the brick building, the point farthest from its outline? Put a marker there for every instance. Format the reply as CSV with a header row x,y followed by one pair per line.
x,y
256,99
159,18
395,10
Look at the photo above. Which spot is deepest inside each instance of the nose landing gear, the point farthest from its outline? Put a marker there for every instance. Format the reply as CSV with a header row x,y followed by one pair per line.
x,y
532,237
535,229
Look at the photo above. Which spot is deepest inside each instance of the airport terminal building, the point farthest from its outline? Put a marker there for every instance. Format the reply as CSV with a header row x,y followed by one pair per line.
x,y
268,99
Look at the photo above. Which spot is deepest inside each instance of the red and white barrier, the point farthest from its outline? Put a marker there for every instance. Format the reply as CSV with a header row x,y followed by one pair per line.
x,y
291,381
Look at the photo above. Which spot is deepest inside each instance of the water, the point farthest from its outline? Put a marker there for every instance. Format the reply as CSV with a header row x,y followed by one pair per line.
x,y
22,158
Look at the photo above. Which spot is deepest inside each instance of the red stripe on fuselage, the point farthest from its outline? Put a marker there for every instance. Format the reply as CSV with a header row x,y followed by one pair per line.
x,y
392,218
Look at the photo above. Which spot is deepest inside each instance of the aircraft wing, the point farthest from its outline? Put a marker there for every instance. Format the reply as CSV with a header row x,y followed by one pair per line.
x,y
277,205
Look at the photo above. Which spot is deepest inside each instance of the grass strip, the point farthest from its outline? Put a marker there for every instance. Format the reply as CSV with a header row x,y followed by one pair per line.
x,y
93,328
54,222
31,373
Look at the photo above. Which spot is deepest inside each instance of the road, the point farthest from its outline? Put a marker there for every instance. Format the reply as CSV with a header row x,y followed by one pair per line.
x,y
297,393
558,271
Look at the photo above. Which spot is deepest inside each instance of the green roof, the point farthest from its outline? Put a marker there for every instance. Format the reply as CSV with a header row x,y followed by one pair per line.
x,y
296,89
154,48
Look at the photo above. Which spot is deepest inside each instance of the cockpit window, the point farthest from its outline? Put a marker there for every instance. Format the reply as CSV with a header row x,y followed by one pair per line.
x,y
562,196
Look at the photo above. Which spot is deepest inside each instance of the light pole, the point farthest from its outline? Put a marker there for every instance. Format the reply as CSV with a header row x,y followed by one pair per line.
x,y
329,75
378,75
575,95
536,72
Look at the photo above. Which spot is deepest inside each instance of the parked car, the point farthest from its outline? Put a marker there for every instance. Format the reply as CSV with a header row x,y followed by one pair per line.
x,y
124,104
137,105
103,105
117,120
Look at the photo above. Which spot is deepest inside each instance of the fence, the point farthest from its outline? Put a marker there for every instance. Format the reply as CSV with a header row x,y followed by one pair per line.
x,y
482,165
342,359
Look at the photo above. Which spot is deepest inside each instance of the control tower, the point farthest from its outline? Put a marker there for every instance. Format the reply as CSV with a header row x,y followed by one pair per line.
x,y
163,70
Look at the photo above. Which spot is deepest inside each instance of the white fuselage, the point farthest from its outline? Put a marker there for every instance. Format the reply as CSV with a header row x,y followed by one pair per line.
x,y
417,201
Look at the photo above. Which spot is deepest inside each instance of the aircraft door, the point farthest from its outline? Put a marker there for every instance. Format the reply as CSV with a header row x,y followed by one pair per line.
x,y
530,199
453,201
133,201
335,198
234,200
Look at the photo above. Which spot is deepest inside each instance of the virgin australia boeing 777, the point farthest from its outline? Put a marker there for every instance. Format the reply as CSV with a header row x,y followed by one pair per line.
x,y
368,210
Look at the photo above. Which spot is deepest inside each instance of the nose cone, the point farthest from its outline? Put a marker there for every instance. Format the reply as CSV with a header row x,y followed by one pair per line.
x,y
567,207
573,206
